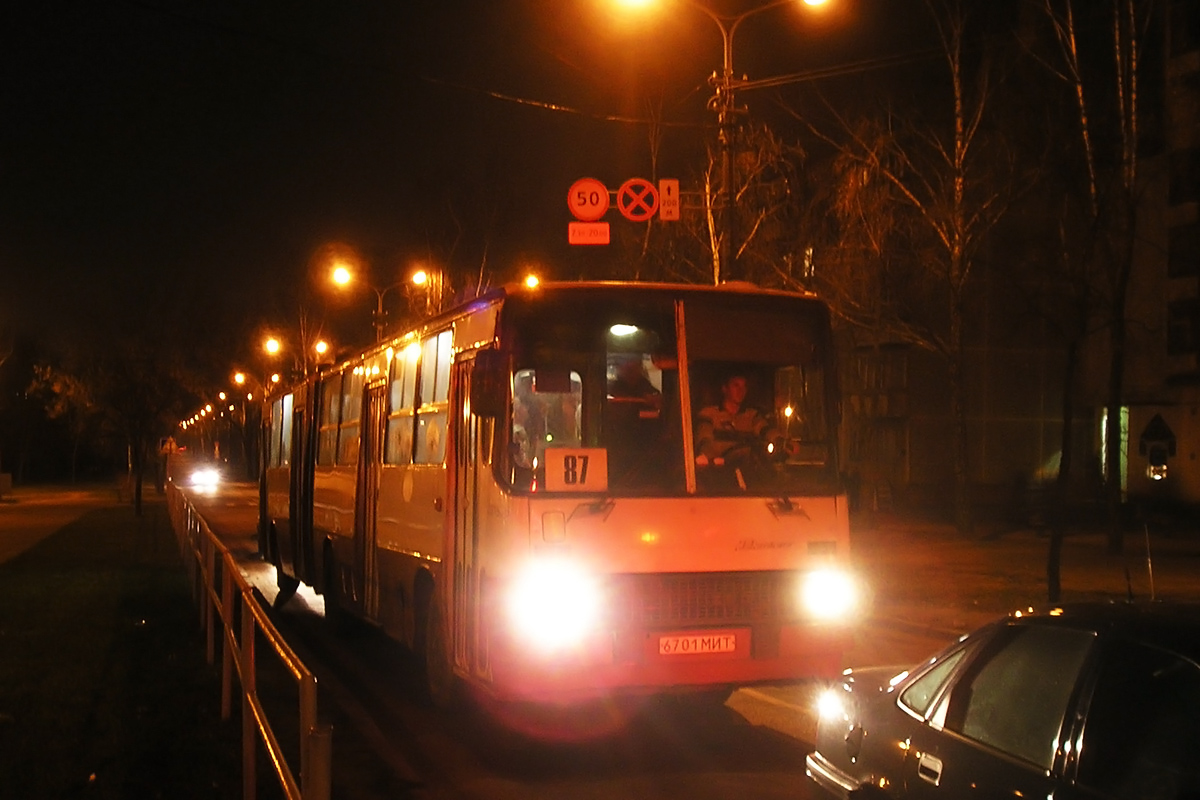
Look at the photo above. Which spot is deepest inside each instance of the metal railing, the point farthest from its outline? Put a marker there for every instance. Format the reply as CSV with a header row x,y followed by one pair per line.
x,y
227,600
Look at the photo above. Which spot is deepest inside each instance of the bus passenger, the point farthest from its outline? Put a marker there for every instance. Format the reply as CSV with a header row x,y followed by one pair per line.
x,y
631,383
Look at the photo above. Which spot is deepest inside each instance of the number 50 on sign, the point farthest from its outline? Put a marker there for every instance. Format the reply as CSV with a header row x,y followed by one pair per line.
x,y
588,199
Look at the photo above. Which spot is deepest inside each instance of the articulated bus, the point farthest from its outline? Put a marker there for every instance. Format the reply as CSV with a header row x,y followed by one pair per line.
x,y
478,489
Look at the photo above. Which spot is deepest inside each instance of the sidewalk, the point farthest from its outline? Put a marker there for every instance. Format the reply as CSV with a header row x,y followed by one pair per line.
x,y
104,688
927,578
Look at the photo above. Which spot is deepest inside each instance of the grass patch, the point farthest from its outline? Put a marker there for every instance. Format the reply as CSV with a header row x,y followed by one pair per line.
x,y
104,687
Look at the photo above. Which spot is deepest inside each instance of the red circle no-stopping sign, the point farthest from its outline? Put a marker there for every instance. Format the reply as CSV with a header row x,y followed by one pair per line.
x,y
637,199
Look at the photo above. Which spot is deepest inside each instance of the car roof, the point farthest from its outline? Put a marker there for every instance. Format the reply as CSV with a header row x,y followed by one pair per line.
x,y
1167,625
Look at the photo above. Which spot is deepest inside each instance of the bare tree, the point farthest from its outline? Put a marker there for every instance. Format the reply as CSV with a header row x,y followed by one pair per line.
x,y
769,200
1099,253
915,201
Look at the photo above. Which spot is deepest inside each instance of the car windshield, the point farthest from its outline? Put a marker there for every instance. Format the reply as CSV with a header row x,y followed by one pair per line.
x,y
602,376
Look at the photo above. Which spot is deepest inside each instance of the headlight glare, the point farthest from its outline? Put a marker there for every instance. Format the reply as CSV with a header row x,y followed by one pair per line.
x,y
206,478
553,604
831,704
829,595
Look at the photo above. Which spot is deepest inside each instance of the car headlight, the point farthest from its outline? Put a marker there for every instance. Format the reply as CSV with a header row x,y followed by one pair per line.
x,y
831,705
829,595
206,478
553,603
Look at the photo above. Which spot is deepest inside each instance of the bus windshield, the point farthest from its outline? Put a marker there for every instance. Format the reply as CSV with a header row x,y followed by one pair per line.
x,y
747,412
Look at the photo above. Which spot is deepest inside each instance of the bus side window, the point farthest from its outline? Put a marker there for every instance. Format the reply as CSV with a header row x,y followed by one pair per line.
x,y
352,389
435,394
402,393
273,448
285,433
331,396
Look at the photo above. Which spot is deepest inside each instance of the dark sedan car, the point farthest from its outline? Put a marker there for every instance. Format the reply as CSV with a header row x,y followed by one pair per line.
x,y
1089,701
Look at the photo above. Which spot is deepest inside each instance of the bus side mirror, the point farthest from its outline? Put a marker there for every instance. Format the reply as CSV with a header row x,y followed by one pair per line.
x,y
489,383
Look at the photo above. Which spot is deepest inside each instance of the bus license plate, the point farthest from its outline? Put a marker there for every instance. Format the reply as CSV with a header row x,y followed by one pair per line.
x,y
697,644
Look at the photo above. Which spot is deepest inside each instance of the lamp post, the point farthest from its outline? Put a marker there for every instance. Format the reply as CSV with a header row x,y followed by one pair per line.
x,y
273,347
342,277
431,280
723,103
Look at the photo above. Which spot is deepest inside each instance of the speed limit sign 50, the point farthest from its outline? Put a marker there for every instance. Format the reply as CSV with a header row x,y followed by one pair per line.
x,y
588,199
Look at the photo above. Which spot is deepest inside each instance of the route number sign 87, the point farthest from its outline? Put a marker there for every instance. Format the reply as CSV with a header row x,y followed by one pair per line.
x,y
576,469
588,199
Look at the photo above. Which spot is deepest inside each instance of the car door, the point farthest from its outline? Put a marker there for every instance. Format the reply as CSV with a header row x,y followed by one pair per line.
x,y
995,733
1141,740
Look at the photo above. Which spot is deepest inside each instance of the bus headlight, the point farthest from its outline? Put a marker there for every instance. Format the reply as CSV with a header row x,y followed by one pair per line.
x,y
553,604
829,595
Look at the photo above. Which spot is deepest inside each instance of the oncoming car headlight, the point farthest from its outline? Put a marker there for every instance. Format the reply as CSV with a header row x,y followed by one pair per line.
x,y
831,704
829,595
553,603
206,478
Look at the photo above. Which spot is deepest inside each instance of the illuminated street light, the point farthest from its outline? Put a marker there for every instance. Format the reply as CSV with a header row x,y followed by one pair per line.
x,y
722,102
342,276
433,282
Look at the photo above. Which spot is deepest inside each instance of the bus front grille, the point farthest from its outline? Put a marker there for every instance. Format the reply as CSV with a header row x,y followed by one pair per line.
x,y
709,598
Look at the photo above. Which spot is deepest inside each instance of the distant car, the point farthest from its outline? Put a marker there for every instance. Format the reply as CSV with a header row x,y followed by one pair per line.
x,y
1088,701
205,477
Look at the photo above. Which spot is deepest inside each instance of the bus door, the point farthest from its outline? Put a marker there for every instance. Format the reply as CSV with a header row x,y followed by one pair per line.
x,y
366,565
464,436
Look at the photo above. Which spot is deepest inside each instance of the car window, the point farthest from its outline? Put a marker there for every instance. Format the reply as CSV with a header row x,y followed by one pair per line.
x,y
1015,700
1142,734
920,694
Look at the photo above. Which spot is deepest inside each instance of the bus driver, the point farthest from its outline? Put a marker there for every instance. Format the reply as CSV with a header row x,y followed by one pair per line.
x,y
729,430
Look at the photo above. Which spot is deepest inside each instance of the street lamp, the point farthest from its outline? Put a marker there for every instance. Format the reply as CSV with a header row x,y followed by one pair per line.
x,y
431,280
722,102
342,276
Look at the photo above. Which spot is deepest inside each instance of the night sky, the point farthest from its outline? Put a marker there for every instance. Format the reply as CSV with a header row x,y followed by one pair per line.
x,y
180,166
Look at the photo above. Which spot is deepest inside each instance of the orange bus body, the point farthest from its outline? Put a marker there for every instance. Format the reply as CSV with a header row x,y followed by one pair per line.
x,y
580,550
